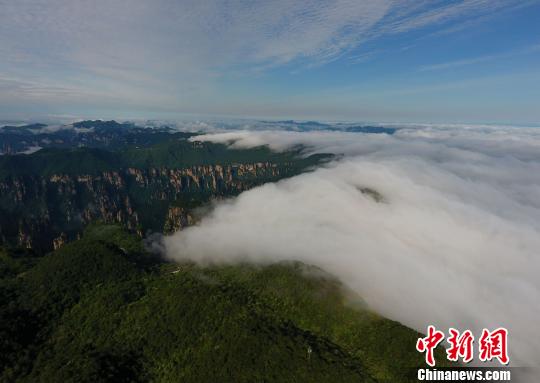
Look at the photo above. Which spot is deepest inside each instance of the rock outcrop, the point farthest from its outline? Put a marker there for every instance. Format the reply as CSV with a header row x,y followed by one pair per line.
x,y
45,212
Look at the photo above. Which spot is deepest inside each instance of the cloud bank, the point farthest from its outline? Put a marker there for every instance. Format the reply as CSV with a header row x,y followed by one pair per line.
x,y
454,242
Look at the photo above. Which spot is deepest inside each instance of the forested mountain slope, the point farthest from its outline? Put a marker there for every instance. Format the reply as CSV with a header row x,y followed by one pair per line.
x,y
102,309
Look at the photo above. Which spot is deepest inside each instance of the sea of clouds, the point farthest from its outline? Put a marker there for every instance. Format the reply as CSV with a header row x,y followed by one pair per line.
x,y
454,242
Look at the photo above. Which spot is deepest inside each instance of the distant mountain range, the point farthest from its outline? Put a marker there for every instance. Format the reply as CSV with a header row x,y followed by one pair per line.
x,y
149,179
93,134
308,126
115,135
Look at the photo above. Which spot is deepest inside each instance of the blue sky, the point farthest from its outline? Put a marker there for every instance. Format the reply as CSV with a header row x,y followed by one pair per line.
x,y
385,60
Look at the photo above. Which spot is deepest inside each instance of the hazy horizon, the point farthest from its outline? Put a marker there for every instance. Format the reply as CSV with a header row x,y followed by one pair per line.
x,y
179,122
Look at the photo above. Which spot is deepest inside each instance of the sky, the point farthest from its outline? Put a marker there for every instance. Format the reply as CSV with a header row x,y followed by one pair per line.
x,y
339,60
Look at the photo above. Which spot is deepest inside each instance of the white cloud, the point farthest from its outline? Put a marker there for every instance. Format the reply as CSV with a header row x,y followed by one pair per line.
x,y
455,242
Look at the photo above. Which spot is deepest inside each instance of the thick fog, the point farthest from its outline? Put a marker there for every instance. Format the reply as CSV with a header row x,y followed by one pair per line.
x,y
432,225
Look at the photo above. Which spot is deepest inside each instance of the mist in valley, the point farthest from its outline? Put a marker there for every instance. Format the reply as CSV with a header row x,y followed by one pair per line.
x,y
432,225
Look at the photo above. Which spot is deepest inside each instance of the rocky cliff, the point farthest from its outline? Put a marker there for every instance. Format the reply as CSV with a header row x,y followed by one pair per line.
x,y
44,212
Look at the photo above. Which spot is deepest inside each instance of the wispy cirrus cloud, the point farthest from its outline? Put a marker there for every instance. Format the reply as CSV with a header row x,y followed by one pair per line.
x,y
173,52
480,59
